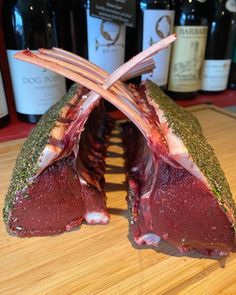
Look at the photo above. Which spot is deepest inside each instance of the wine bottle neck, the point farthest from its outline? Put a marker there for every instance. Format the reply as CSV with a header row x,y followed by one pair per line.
x,y
156,4
32,7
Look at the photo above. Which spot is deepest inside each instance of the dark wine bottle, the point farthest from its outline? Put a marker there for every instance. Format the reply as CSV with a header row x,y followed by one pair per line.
x,y
154,21
31,24
4,87
101,42
62,10
4,115
232,73
63,16
191,25
219,49
78,25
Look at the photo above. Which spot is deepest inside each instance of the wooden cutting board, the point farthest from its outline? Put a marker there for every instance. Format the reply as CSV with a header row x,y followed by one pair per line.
x,y
101,259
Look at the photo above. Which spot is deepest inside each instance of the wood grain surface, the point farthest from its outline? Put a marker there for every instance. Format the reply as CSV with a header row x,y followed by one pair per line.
x,y
101,259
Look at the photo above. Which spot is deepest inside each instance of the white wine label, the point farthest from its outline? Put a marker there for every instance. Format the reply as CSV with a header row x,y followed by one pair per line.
x,y
35,89
215,74
187,58
231,5
3,103
106,43
158,24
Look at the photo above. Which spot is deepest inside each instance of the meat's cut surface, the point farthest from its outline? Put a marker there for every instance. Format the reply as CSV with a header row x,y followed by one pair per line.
x,y
70,188
179,192
177,189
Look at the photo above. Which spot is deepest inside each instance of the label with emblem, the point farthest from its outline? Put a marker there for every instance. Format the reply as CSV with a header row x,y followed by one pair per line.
x,y
35,89
106,43
231,5
158,24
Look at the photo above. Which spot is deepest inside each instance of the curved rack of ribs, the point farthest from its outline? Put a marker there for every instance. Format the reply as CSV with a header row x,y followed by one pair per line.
x,y
177,189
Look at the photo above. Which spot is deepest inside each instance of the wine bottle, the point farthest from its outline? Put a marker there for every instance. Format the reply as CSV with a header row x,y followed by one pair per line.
x,y
4,112
191,25
4,115
220,39
63,16
101,42
232,73
154,21
31,24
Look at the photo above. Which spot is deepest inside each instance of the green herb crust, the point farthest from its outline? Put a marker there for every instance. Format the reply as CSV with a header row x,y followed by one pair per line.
x,y
187,127
26,162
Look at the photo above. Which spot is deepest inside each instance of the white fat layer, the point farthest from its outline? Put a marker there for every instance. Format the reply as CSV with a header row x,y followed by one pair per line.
x,y
149,239
146,195
177,149
149,165
82,181
168,161
134,169
96,217
179,152
48,155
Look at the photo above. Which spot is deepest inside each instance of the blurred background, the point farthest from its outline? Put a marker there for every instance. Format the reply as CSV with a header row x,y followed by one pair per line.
x,y
200,67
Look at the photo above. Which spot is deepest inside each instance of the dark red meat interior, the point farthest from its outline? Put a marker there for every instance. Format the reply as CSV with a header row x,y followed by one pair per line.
x,y
179,208
57,200
165,201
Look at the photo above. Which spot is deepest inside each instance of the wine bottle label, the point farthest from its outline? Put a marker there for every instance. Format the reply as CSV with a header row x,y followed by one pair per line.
x,y
215,74
35,89
234,53
158,24
122,11
3,103
230,5
106,43
187,58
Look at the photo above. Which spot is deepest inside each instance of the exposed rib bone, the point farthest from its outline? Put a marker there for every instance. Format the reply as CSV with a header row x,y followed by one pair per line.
x,y
122,71
76,58
81,66
66,55
127,107
147,53
89,70
147,65
136,61
109,96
